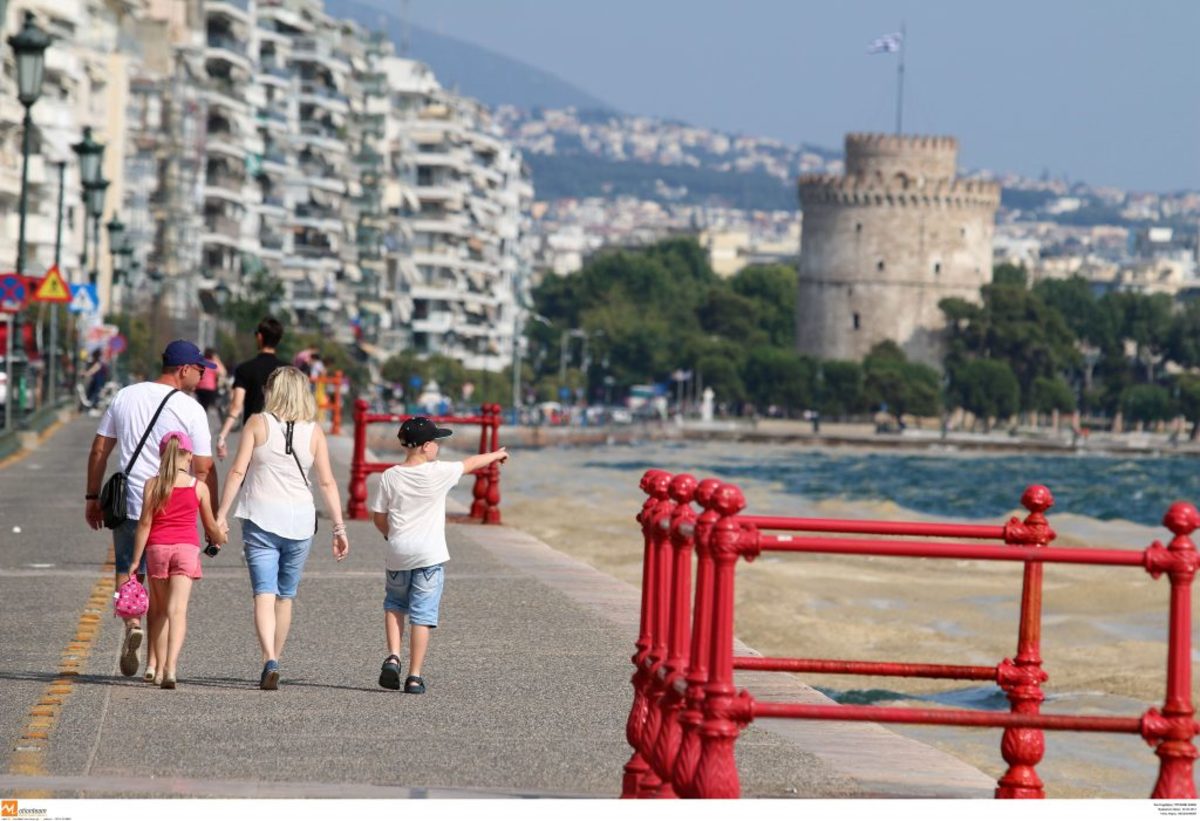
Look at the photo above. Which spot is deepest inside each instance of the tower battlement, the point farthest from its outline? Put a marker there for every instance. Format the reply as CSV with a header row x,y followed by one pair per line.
x,y
931,157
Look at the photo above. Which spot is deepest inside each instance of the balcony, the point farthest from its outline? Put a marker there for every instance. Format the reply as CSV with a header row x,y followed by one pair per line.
x,y
224,185
322,136
281,75
315,250
271,241
226,48
320,50
234,9
221,224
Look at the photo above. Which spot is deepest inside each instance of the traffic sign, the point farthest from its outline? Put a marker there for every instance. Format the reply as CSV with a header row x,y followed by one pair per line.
x,y
84,300
14,293
52,288
117,344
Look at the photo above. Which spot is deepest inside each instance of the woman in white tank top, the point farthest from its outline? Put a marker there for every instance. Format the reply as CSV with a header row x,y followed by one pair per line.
x,y
277,454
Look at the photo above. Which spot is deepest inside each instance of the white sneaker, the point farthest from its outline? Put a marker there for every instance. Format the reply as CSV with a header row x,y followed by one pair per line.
x,y
129,656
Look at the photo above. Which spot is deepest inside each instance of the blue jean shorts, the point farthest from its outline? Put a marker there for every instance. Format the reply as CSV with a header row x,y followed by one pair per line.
x,y
124,538
275,563
417,592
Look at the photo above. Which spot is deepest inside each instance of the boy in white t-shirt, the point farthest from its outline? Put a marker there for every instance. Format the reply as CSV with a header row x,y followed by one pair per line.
x,y
410,512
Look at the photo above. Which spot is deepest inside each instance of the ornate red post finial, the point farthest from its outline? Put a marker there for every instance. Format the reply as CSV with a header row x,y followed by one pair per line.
x,y
1021,679
682,491
636,769
688,755
356,503
716,774
1175,750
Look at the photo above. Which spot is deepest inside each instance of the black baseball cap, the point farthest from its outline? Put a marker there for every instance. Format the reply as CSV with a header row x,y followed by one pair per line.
x,y
419,430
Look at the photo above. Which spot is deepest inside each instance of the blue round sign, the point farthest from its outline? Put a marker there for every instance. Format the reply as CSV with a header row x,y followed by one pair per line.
x,y
14,293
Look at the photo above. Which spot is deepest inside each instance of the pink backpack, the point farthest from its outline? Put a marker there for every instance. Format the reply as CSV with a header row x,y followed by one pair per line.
x,y
130,600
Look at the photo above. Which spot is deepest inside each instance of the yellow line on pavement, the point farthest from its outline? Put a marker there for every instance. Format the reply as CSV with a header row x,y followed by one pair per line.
x,y
12,459
29,752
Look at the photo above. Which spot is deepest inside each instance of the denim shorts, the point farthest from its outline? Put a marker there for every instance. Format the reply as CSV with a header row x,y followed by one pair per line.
x,y
417,592
275,563
124,538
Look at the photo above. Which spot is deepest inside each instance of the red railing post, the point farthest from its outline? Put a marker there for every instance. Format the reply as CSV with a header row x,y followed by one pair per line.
x,y
683,519
716,774
636,769
492,514
1022,677
480,489
356,506
660,545
688,756
1175,750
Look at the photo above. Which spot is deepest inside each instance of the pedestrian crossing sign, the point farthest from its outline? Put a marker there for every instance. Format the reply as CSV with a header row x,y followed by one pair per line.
x,y
83,300
52,288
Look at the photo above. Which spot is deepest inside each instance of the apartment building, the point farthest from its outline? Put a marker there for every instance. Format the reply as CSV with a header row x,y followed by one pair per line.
x,y
461,272
83,86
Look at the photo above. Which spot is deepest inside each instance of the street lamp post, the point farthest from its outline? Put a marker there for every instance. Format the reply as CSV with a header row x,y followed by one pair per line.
x,y
52,365
116,230
29,45
95,210
91,154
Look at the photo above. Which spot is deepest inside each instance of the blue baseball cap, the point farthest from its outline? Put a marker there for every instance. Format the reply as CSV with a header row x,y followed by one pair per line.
x,y
182,352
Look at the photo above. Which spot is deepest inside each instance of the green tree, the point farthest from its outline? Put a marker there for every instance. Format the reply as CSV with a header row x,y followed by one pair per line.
x,y
1049,395
1188,386
1146,403
904,387
772,288
777,377
987,388
840,388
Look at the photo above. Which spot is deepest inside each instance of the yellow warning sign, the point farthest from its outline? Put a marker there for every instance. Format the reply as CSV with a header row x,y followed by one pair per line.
x,y
52,288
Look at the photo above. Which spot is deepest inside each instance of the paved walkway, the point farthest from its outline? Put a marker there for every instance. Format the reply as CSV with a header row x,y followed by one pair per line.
x,y
528,677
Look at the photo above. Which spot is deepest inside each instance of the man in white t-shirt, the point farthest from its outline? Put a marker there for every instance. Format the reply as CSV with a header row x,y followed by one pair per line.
x,y
122,427
410,511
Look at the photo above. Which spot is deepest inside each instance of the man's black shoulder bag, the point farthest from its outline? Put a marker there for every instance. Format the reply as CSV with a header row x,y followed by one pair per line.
x,y
113,494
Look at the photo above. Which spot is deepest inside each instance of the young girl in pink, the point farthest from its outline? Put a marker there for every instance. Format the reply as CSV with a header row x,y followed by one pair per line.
x,y
167,533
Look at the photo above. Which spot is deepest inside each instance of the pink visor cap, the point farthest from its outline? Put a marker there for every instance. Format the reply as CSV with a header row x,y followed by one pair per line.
x,y
185,441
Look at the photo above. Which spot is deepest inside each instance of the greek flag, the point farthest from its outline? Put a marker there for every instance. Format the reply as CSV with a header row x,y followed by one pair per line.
x,y
886,44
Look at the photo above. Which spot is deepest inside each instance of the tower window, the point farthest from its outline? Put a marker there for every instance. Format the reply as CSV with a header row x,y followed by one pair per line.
x,y
858,227
937,267
857,321
879,265
962,231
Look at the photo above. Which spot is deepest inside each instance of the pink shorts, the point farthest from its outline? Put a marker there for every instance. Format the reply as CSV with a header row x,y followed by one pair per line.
x,y
164,560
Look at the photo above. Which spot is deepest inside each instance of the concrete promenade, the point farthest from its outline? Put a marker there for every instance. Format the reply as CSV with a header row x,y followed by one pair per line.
x,y
528,677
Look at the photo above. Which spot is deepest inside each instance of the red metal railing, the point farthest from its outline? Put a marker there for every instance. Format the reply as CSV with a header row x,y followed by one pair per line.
x,y
687,715
485,504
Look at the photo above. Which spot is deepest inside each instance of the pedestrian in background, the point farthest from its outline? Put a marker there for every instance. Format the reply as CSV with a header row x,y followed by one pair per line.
x,y
410,511
250,377
166,534
209,387
150,410
277,452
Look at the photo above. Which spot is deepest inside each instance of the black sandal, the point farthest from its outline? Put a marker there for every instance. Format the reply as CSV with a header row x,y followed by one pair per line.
x,y
414,684
389,676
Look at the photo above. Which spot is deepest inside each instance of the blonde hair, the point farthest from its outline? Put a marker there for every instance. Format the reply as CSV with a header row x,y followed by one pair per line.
x,y
172,459
288,395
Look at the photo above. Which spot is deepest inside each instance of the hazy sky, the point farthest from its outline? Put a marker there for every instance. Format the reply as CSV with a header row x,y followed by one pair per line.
x,y
1103,91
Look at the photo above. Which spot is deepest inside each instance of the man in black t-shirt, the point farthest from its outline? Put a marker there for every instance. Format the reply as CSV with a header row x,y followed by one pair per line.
x,y
250,377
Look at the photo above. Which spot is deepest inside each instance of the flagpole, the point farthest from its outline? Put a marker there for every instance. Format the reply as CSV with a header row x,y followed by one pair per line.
x,y
900,81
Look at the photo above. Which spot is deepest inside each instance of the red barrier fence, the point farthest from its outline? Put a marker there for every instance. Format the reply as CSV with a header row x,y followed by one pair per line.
x,y
486,492
687,715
